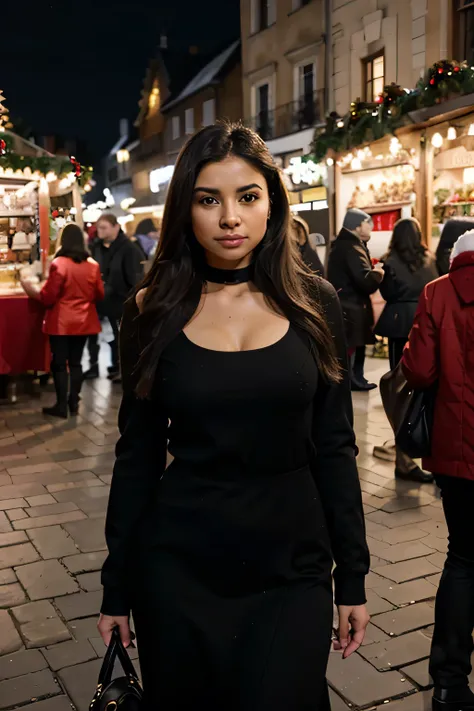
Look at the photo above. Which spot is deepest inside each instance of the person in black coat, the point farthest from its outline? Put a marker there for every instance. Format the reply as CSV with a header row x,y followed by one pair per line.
x,y
351,272
121,266
409,267
309,255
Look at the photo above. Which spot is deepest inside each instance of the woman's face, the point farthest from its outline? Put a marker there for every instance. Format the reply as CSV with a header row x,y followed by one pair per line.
x,y
230,211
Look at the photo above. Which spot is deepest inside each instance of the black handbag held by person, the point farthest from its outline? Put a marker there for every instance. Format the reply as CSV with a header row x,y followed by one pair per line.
x,y
410,413
122,693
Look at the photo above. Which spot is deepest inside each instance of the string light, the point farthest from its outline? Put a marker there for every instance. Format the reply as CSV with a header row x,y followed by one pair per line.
x,y
356,164
329,162
471,130
452,133
437,140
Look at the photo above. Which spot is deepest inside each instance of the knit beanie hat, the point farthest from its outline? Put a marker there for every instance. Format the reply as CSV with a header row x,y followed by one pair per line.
x,y
465,243
354,218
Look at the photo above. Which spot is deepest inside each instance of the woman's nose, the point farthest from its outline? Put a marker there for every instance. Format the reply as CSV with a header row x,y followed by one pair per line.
x,y
230,219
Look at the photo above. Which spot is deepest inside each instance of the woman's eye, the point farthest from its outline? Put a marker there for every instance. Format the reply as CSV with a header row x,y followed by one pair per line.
x,y
249,197
208,201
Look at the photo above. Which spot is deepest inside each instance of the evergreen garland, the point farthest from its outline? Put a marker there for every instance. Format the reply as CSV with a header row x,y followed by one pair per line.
x,y
367,122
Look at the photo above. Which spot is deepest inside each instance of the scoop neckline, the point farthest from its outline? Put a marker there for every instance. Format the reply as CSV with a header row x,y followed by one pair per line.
x,y
248,350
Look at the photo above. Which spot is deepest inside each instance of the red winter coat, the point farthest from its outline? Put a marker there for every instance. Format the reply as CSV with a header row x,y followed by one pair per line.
x,y
441,349
70,295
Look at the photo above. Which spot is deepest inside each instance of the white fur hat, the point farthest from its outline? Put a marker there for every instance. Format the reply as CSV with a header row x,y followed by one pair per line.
x,y
465,243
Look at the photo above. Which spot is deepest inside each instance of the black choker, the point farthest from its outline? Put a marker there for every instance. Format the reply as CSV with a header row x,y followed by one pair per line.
x,y
228,276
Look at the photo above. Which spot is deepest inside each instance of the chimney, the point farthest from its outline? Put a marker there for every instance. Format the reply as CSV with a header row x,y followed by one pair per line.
x,y
163,42
123,128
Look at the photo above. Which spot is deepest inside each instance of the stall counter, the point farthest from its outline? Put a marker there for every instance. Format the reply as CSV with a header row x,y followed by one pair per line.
x,y
23,345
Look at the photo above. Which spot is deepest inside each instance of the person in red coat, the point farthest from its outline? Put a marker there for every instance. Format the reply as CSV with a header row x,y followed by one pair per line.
x,y
441,350
70,294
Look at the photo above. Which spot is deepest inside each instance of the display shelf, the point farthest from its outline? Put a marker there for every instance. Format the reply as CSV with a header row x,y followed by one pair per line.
x,y
16,213
385,207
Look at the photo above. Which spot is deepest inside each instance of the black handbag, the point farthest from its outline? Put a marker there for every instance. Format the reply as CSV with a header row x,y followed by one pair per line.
x,y
123,693
410,413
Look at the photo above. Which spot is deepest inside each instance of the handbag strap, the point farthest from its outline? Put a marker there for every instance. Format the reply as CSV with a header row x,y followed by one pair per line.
x,y
115,650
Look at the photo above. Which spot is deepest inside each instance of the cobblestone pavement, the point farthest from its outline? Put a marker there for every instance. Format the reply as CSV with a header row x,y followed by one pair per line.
x,y
54,479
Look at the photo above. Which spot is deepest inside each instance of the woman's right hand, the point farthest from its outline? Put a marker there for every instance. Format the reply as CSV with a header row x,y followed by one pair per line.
x,y
106,625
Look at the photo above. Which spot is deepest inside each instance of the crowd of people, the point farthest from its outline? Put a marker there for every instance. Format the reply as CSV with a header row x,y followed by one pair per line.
x,y
238,359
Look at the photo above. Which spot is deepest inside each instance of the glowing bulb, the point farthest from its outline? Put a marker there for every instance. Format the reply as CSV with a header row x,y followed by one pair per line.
x,y
329,162
340,124
87,188
356,164
452,133
437,140
471,130
51,177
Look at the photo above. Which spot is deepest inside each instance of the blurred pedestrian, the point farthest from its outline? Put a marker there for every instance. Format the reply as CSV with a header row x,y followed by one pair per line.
x,y
73,287
121,267
441,353
351,273
308,253
452,230
409,267
147,236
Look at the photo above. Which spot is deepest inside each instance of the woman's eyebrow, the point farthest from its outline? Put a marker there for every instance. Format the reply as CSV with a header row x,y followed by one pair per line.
x,y
216,191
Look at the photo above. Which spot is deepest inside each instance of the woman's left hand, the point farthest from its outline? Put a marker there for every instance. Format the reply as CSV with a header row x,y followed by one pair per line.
x,y
353,621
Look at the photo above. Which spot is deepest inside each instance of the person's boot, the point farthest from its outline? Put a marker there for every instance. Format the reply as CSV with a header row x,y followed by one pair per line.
x,y
359,383
75,389
407,470
361,386
457,698
92,373
114,369
61,378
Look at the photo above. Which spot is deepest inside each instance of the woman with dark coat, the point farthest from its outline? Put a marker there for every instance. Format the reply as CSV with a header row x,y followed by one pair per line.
x,y
351,273
441,352
309,255
234,359
70,294
409,267
452,230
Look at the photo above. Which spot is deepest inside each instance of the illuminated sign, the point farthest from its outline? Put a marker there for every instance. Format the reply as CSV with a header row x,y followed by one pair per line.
x,y
160,176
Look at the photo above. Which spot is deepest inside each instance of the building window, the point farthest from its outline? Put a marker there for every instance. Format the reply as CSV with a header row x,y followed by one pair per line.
x,y
263,14
306,110
175,127
208,112
464,30
263,112
113,174
374,76
189,121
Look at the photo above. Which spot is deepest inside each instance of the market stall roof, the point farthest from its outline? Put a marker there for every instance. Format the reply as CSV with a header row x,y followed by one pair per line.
x,y
25,147
447,111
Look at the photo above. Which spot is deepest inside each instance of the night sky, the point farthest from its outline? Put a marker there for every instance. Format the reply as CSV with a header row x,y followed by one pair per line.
x,y
75,67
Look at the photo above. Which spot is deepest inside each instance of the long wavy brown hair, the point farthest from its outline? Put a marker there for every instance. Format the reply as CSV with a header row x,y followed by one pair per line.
x,y
174,284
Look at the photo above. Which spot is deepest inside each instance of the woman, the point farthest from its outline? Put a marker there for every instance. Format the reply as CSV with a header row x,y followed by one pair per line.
x,y
70,294
225,557
452,230
441,351
146,236
309,255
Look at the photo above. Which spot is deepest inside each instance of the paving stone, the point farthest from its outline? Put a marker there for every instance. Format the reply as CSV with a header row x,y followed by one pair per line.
x,y
436,528
41,500
90,582
26,688
373,634
408,570
5,525
419,673
414,702
52,542
405,593
12,504
16,514
12,556
11,595
21,663
81,494
12,538
358,682
7,576
42,521
34,612
405,619
67,486
398,651
407,551
86,628
79,681
438,560
80,605
438,544
52,509
84,464
89,536
44,632
18,491
36,469
68,654
401,518
56,703
376,604
9,638
86,562
46,579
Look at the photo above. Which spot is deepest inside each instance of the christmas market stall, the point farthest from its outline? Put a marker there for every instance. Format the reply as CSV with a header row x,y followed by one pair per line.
x,y
409,154
36,188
